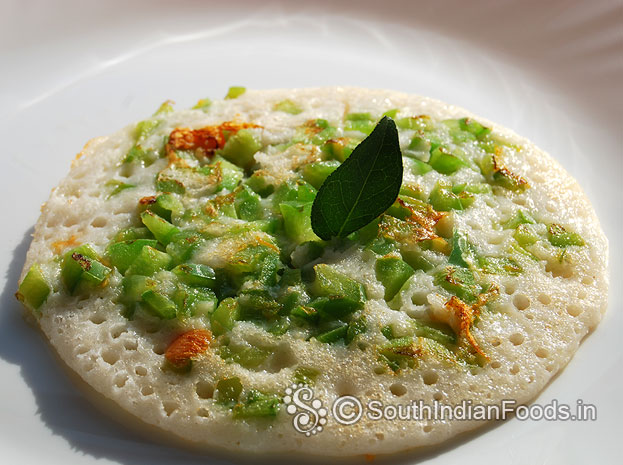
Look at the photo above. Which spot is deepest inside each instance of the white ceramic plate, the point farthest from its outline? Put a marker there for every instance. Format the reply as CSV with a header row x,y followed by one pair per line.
x,y
553,71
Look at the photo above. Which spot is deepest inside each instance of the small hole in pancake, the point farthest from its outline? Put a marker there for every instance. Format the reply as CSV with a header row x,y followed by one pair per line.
x,y
52,222
519,201
147,390
496,365
545,299
204,390
521,302
362,345
117,331
283,357
587,280
120,380
559,269
582,294
549,368
110,356
514,369
529,316
379,370
203,412
419,298
70,222
81,350
380,436
427,428
516,338
496,341
130,344
97,319
430,377
510,288
346,388
169,407
99,222
541,352
574,310
438,396
159,349
398,389
141,371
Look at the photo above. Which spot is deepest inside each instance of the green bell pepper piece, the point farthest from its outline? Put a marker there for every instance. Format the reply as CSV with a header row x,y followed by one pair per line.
x,y
195,275
343,294
81,266
392,272
34,289
159,304
355,328
287,106
444,162
297,221
160,228
235,92
521,217
443,199
460,282
228,391
525,236
123,254
316,173
149,261
240,148
257,405
443,335
558,236
225,316
333,335
248,205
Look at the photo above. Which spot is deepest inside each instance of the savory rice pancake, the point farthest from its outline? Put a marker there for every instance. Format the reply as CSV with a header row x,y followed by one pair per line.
x,y
176,270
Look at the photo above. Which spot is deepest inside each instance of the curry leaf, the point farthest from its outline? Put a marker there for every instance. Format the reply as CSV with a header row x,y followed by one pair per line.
x,y
362,187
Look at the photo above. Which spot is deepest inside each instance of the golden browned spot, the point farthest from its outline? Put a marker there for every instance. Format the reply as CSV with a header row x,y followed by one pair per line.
x,y
498,167
412,350
341,141
311,127
188,346
466,314
83,261
213,206
204,141
147,200
417,227
84,149
59,246
265,243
